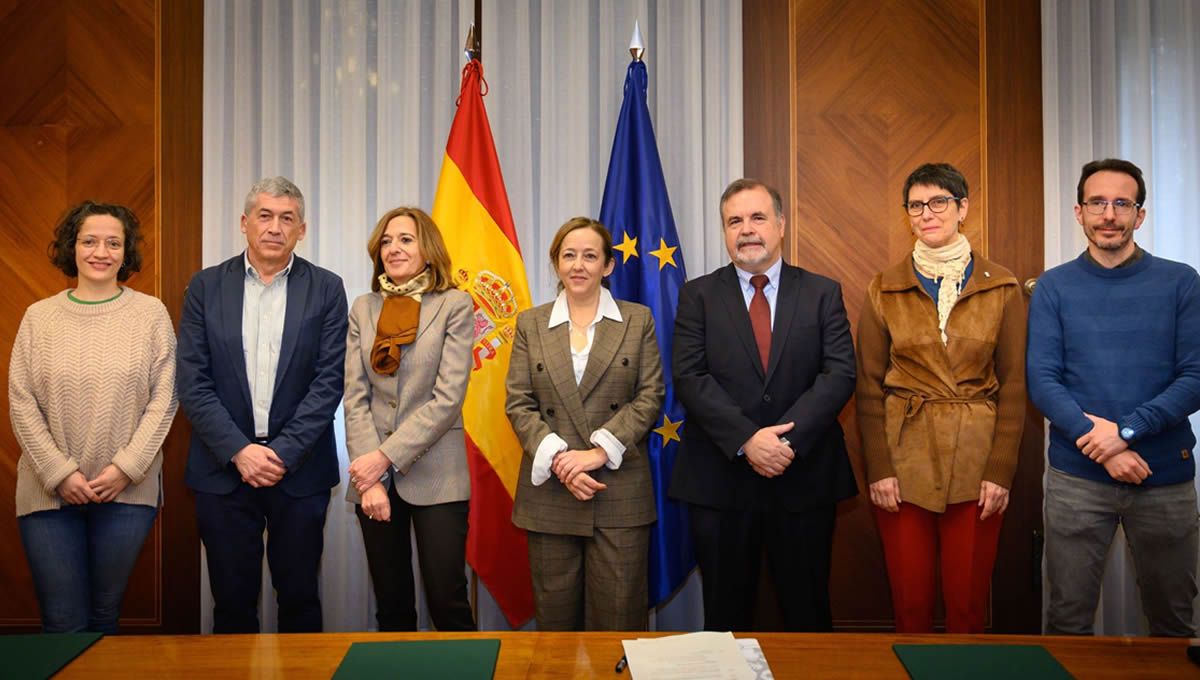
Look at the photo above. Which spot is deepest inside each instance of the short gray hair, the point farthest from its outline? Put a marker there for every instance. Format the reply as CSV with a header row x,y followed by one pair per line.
x,y
737,186
274,186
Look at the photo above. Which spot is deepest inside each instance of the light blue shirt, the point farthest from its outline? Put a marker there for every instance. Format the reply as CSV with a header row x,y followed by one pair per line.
x,y
771,290
264,307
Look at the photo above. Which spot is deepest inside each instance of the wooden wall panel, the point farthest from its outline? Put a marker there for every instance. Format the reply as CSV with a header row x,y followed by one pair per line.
x,y
870,103
79,119
33,164
859,93
1015,214
110,57
180,84
33,63
765,89
116,165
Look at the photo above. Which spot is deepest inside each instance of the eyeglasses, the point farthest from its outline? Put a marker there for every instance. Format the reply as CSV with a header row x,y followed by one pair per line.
x,y
91,243
937,204
1121,206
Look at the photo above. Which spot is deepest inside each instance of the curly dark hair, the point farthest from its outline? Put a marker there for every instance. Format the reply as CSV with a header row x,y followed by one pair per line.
x,y
62,248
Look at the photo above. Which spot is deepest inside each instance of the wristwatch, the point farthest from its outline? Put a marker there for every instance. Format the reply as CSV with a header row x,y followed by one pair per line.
x,y
1125,432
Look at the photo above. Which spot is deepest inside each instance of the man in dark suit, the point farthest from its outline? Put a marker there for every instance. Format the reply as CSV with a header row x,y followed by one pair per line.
x,y
260,366
763,363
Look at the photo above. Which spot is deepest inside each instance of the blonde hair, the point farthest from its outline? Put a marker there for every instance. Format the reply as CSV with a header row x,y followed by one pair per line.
x,y
429,241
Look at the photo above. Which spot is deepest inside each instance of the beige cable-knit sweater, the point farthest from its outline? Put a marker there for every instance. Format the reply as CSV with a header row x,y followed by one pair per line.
x,y
91,385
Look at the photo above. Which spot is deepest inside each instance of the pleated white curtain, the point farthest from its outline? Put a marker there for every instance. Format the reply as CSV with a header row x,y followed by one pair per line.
x,y
1122,79
353,100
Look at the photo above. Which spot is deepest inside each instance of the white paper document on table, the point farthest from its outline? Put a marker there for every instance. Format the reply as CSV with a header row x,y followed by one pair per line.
x,y
755,658
693,656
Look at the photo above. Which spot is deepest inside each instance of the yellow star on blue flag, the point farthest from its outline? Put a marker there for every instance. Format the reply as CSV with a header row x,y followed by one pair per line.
x,y
669,431
628,247
665,254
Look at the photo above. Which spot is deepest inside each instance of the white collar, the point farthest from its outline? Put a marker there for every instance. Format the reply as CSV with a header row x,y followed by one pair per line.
x,y
607,309
252,272
772,274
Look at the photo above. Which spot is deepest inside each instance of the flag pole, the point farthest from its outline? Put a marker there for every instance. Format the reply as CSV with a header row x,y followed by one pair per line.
x,y
478,47
637,46
472,51
471,46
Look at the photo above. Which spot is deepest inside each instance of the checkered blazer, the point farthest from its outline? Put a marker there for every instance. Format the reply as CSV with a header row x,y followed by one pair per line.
x,y
415,415
621,390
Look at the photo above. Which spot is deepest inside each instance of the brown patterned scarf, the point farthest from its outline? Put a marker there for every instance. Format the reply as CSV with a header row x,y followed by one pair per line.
x,y
398,321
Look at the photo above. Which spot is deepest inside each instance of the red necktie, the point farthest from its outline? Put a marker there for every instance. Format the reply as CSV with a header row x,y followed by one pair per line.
x,y
760,318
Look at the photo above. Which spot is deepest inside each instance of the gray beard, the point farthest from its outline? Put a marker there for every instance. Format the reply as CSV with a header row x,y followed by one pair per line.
x,y
742,258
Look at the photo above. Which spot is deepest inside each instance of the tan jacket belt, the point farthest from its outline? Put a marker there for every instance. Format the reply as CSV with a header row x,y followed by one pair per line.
x,y
915,404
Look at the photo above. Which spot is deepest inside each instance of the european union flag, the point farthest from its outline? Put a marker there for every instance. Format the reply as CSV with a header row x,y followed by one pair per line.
x,y
649,270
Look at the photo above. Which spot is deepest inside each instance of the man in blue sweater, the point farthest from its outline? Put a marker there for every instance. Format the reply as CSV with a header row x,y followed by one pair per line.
x,y
1114,364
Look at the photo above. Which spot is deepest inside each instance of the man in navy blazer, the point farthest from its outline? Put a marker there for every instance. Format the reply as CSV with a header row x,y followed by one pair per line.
x,y
763,363
260,366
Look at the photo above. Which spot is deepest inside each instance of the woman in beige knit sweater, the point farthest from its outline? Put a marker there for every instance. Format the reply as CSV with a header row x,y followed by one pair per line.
x,y
92,393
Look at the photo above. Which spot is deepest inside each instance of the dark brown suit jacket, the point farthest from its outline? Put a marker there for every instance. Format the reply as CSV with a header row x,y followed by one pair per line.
x,y
621,391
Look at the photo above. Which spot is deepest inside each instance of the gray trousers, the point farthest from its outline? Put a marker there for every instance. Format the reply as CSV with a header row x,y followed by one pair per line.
x,y
1161,528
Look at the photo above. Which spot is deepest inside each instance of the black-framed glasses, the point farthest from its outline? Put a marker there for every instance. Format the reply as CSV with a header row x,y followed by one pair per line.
x,y
937,204
1120,206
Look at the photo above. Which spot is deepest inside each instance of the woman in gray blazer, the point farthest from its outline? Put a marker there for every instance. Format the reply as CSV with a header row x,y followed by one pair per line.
x,y
408,359
584,388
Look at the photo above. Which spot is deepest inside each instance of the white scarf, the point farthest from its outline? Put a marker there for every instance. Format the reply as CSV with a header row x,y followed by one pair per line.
x,y
413,288
948,265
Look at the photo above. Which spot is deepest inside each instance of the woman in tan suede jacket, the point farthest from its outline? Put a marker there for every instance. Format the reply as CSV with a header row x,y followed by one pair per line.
x,y
941,403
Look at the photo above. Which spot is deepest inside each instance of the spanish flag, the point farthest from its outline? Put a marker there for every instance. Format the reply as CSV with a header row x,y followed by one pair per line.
x,y
471,207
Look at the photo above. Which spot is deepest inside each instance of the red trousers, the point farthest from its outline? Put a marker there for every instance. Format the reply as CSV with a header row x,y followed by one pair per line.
x,y
911,541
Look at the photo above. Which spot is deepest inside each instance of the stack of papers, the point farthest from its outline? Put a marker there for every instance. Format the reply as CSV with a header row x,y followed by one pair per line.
x,y
696,656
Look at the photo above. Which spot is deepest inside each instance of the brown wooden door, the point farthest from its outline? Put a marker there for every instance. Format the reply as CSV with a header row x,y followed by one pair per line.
x,y
842,100
101,100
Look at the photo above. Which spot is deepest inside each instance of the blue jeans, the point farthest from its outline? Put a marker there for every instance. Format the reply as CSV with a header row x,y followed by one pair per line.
x,y
81,557
1163,533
